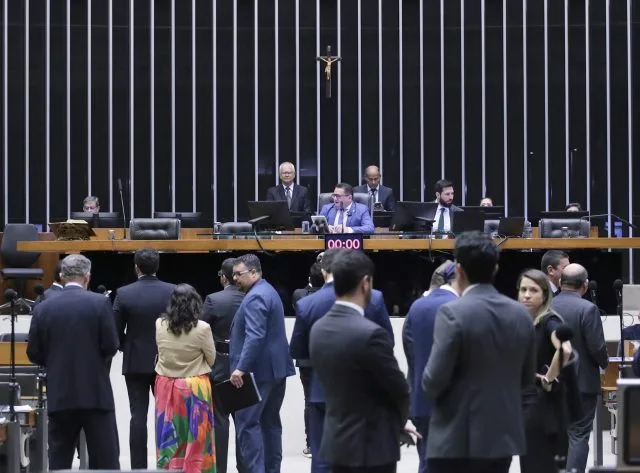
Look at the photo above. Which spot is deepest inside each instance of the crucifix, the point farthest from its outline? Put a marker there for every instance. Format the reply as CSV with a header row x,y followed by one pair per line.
x,y
328,60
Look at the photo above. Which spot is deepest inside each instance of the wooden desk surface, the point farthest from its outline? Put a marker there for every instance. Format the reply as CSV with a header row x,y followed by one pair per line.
x,y
311,243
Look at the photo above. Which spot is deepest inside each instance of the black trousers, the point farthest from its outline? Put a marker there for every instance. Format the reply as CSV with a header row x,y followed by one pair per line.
x,y
390,468
221,431
305,378
469,465
138,386
100,430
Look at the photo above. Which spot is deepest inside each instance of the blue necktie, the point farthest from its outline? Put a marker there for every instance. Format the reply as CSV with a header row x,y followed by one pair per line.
x,y
340,217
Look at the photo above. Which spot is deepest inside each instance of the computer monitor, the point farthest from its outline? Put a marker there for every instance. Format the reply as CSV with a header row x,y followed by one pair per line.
x,y
491,213
511,226
187,219
414,216
270,215
99,220
628,424
468,221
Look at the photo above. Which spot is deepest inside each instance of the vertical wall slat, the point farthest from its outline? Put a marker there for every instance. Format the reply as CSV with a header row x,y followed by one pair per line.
x,y
359,85
546,105
235,110
484,94
89,100
401,101
27,127
277,92
380,107
47,114
256,70
630,131
505,119
5,113
132,131
339,80
463,143
442,95
193,106
525,109
214,84
319,52
152,104
173,106
297,26
422,157
567,144
68,117
588,99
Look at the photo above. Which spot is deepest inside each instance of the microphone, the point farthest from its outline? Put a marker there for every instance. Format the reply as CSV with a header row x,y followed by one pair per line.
x,y
593,287
626,222
617,286
124,215
564,333
10,295
101,289
38,289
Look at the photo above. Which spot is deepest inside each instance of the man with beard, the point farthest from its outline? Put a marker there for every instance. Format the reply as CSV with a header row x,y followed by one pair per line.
x,y
444,214
366,394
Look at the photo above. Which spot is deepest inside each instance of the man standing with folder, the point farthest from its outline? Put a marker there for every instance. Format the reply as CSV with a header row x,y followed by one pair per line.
x,y
259,345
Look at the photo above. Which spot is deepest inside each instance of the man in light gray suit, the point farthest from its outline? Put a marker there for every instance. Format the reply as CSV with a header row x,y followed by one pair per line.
x,y
588,340
483,355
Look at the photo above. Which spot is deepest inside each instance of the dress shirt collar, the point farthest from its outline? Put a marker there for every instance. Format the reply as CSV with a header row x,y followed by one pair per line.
x,y
553,287
469,288
74,284
290,186
58,285
329,279
352,306
447,287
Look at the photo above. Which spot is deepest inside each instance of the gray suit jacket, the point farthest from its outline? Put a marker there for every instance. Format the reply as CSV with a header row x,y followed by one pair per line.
x,y
218,311
483,355
588,338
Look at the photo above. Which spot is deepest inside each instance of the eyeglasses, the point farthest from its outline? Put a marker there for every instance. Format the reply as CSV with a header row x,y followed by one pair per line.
x,y
237,274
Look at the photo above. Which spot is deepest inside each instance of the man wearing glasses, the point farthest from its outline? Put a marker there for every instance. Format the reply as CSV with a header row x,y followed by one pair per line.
x,y
258,345
91,205
346,216
297,197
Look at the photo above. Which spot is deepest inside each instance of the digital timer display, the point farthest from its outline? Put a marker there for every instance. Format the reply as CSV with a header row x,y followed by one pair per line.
x,y
347,241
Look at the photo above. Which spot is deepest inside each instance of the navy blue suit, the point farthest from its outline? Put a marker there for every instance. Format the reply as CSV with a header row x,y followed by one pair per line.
x,y
73,335
258,344
357,218
384,195
309,310
418,340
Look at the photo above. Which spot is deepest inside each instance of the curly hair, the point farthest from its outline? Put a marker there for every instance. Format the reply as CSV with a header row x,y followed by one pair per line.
x,y
183,310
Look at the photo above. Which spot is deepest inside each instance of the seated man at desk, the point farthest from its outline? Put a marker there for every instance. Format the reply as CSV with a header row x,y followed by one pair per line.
x,y
345,215
91,205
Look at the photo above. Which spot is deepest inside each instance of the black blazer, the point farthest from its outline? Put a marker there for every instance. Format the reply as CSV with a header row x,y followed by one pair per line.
x,y
74,336
136,308
385,195
367,396
300,201
218,311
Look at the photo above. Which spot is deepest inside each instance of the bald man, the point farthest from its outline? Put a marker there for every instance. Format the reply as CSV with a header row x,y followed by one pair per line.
x,y
588,340
380,197
297,197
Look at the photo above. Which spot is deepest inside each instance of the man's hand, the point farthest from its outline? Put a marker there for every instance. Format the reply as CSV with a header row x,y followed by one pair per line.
x,y
412,431
236,378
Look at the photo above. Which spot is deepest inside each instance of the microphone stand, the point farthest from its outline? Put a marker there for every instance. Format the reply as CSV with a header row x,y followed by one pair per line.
x,y
619,312
13,427
124,216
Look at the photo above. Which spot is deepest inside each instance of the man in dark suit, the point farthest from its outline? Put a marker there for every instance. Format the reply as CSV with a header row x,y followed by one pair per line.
x,y
136,308
417,340
218,311
552,264
483,355
444,214
309,310
380,197
259,345
316,281
56,287
296,196
367,396
79,394
588,340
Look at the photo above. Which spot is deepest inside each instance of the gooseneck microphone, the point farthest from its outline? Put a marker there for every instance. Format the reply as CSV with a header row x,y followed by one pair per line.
x,y
564,333
101,289
124,215
38,289
617,288
10,295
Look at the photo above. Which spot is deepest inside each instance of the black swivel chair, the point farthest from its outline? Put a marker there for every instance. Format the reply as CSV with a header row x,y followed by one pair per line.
x,y
17,264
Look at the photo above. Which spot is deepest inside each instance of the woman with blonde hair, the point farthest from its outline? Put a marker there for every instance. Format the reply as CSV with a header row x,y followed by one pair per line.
x,y
184,404
543,404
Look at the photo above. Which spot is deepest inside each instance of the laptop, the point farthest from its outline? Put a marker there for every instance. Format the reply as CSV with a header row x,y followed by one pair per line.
x,y
511,226
468,221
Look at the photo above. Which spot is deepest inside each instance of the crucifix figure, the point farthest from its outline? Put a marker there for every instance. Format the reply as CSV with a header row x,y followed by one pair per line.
x,y
328,60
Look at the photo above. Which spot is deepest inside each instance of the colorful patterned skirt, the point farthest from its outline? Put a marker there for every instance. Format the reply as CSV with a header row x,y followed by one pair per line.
x,y
184,424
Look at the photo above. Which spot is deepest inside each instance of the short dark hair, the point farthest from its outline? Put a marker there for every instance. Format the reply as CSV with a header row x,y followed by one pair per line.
x,y
147,260
226,268
56,276
328,257
183,310
574,280
478,255
552,258
250,261
348,190
348,269
315,275
576,205
442,183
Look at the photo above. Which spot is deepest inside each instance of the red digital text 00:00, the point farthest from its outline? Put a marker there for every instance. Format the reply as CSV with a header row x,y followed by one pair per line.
x,y
349,244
